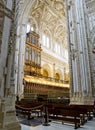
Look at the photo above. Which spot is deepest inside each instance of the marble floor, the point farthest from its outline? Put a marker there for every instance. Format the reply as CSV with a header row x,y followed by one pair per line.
x,y
90,125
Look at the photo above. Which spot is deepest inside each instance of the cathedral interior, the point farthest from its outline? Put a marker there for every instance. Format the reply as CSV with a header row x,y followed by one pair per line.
x,y
47,58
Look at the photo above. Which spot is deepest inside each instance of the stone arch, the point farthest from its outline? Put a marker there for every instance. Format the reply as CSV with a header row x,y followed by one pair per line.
x,y
57,76
47,68
47,31
58,71
45,73
24,13
60,36
23,18
59,29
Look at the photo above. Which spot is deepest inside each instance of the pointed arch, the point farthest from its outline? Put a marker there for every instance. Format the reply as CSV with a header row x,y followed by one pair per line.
x,y
24,11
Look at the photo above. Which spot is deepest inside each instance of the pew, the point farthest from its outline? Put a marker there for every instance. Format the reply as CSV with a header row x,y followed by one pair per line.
x,y
65,115
82,111
88,110
76,114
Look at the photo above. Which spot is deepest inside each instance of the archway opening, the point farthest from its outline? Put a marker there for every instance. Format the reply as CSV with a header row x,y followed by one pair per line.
x,y
44,26
45,73
57,76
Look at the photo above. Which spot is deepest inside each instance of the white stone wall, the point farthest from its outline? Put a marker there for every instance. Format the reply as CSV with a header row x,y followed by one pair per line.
x,y
24,13
55,65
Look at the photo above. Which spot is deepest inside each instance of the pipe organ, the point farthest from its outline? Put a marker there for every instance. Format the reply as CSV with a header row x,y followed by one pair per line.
x,y
32,55
34,83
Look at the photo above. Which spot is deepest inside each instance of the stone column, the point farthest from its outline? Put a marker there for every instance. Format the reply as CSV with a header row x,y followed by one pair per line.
x,y
19,58
8,119
78,52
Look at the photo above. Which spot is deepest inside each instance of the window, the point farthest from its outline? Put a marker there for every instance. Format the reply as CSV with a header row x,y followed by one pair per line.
x,y
57,48
46,40
66,53
28,28
58,51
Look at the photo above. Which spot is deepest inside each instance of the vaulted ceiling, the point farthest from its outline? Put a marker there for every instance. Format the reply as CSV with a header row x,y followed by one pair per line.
x,y
50,15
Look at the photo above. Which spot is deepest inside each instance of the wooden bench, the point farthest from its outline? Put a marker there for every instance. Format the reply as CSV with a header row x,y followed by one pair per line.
x,y
88,110
65,115
81,111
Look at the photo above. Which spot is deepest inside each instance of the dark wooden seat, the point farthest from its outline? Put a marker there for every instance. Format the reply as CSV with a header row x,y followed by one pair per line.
x,y
76,114
87,110
65,115
70,108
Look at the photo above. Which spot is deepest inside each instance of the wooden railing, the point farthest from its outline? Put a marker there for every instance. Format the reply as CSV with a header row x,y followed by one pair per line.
x,y
26,109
